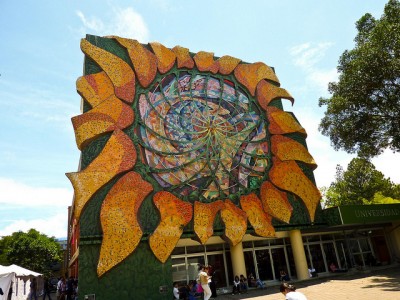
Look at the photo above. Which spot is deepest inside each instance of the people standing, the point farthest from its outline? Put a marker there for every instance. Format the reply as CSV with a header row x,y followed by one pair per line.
x,y
46,288
61,289
58,292
204,279
33,287
213,285
290,293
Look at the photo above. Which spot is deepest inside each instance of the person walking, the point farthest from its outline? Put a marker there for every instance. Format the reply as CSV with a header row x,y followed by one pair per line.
x,y
204,279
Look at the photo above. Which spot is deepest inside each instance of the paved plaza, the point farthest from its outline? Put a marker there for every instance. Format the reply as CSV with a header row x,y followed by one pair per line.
x,y
377,284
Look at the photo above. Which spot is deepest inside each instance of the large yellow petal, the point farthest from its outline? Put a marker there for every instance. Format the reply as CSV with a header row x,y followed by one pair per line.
x,y
275,202
144,62
226,64
285,148
251,74
118,156
281,122
288,176
204,216
175,215
205,62
120,73
183,58
165,57
266,92
95,88
260,221
119,220
106,117
235,221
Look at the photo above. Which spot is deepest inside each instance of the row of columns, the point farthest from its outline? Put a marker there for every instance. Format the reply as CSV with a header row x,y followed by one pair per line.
x,y
299,256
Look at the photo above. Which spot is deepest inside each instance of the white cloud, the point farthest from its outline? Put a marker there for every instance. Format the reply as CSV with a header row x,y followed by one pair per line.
x,y
307,56
319,147
55,225
124,22
321,78
92,23
386,163
20,194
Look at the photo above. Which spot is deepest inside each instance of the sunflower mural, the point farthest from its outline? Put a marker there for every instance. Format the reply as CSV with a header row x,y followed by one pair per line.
x,y
199,137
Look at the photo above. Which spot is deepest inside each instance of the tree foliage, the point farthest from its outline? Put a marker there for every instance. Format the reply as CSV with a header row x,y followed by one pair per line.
x,y
31,250
361,183
363,114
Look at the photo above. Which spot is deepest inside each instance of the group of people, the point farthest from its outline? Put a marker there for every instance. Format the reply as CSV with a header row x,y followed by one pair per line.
x,y
240,285
204,286
67,289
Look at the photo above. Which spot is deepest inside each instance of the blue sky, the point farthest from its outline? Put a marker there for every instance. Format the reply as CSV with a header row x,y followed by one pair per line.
x,y
40,60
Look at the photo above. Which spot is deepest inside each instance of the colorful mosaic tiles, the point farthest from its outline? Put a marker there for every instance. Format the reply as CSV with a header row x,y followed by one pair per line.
x,y
175,214
208,137
121,229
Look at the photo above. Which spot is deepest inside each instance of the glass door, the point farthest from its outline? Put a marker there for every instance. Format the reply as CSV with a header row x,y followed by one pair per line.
x,y
264,265
317,258
279,262
193,264
216,261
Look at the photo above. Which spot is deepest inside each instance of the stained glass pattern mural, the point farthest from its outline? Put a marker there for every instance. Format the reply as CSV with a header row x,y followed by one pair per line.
x,y
206,136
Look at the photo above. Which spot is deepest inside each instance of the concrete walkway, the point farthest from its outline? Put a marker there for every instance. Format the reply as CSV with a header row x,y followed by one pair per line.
x,y
376,284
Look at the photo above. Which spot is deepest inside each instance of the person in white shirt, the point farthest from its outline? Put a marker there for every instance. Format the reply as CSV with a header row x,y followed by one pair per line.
x,y
204,280
290,293
176,291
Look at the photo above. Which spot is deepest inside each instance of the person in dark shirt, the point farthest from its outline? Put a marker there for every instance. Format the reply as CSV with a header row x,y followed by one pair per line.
x,y
46,289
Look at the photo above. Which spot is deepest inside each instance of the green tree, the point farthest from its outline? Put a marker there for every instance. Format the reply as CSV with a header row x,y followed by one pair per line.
x,y
31,250
363,114
361,183
379,198
4,245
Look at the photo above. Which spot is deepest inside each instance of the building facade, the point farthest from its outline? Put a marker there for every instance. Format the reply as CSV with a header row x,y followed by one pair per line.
x,y
190,159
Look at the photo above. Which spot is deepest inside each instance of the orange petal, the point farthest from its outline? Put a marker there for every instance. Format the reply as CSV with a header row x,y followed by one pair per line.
x,y
183,58
205,62
288,176
282,122
118,156
285,148
266,92
144,62
260,221
226,64
251,74
117,70
106,117
204,216
275,202
165,57
235,221
95,88
119,220
175,214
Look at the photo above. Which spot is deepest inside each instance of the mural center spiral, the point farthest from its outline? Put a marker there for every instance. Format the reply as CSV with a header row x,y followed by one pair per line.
x,y
202,136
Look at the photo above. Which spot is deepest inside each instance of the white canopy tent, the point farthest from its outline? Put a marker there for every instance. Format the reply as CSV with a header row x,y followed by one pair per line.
x,y
17,279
